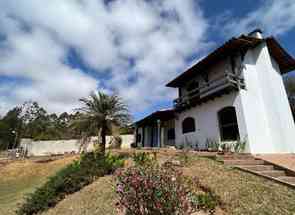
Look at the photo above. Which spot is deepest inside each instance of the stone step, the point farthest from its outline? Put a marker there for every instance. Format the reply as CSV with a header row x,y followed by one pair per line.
x,y
257,167
273,173
3,162
237,157
243,162
288,179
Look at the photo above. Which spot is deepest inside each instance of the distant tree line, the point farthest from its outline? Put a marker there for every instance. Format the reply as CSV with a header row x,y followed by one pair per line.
x,y
32,121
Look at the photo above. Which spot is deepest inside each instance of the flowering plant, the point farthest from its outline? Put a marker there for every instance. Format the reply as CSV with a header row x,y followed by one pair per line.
x,y
152,190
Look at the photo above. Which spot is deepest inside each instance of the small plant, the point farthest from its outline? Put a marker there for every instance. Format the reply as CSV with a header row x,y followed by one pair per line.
x,y
202,196
184,157
180,147
144,158
240,145
188,144
197,148
225,147
69,180
212,145
204,201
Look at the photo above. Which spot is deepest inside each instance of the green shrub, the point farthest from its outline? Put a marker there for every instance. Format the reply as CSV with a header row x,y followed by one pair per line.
x,y
69,180
144,158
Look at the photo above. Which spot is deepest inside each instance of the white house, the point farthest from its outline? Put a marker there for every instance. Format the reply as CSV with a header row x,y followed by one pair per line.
x,y
236,92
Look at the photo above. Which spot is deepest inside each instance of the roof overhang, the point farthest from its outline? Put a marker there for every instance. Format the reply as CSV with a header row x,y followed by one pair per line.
x,y
162,115
285,61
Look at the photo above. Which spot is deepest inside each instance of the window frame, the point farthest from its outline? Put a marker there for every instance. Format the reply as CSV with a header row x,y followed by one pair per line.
x,y
188,128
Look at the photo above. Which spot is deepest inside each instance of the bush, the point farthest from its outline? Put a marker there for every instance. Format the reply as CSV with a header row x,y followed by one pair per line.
x,y
69,180
158,190
143,158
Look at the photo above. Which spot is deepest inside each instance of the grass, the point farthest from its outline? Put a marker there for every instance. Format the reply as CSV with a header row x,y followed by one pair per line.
x,y
21,177
243,193
97,198
240,192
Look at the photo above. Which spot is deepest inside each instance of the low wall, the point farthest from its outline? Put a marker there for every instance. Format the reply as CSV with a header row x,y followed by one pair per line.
x,y
54,147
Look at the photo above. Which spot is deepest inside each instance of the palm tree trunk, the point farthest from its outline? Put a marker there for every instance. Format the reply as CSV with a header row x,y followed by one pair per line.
x,y
103,139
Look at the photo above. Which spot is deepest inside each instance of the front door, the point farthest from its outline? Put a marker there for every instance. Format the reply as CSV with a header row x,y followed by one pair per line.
x,y
228,124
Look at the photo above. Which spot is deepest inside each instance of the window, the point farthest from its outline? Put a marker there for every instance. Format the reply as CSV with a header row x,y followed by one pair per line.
x,y
188,125
228,124
171,134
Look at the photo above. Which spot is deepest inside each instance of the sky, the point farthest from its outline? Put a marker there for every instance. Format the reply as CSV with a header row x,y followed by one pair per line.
x,y
57,51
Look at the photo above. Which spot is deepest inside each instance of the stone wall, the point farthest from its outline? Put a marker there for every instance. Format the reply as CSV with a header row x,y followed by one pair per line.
x,y
54,147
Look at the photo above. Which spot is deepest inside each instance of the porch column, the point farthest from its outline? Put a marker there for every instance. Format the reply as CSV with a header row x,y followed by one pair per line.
x,y
159,132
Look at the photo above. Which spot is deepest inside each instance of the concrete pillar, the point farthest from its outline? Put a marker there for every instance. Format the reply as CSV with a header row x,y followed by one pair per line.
x,y
159,132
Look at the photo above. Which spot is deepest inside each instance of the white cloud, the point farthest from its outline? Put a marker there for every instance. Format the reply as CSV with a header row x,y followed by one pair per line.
x,y
140,44
272,16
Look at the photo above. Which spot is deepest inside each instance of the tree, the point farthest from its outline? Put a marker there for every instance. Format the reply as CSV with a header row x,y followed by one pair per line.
x,y
36,120
101,113
11,128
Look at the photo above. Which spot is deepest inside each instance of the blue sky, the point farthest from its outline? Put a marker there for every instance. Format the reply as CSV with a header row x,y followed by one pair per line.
x,y
55,52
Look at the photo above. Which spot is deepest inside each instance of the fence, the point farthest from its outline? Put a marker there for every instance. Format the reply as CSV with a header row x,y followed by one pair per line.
x,y
56,147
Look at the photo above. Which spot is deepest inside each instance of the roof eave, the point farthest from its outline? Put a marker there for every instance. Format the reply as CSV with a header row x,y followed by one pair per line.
x,y
285,61
233,44
156,115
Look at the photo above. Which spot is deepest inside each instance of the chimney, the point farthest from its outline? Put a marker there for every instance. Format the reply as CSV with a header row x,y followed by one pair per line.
x,y
257,33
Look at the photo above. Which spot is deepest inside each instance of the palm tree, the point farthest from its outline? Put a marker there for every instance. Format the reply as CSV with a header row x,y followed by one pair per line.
x,y
101,113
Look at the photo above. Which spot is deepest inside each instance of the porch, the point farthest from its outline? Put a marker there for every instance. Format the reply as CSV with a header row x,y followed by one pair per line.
x,y
156,130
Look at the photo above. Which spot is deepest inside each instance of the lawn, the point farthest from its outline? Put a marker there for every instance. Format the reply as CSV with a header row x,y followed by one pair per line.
x,y
242,193
239,192
21,177
97,198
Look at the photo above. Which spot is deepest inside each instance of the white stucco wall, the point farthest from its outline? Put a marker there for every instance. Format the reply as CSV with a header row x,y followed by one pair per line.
x,y
206,119
265,104
264,116
41,148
